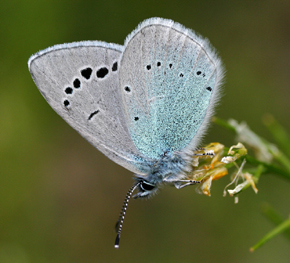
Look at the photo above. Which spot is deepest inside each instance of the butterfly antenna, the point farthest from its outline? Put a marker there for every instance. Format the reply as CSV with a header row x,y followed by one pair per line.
x,y
119,224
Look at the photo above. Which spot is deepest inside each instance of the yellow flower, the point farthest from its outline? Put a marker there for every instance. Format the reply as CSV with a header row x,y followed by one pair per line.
x,y
211,163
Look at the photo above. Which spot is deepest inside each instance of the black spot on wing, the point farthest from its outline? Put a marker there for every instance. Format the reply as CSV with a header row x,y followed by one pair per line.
x,y
115,66
77,83
68,90
86,73
209,88
102,72
93,114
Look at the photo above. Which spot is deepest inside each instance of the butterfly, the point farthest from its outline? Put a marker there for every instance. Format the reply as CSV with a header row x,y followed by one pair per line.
x,y
145,105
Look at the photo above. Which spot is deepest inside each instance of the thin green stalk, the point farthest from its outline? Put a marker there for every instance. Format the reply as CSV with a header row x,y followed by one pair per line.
x,y
276,231
278,132
270,167
283,159
275,218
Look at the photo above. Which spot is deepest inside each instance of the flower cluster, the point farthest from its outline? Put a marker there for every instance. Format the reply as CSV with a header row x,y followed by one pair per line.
x,y
212,163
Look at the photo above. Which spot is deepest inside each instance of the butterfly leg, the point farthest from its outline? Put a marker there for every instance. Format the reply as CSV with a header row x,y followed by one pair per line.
x,y
183,183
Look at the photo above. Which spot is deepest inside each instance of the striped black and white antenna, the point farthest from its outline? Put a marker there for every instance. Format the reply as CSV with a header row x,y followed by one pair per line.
x,y
119,224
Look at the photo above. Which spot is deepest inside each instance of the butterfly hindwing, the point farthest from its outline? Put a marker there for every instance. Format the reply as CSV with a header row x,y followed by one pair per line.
x,y
169,79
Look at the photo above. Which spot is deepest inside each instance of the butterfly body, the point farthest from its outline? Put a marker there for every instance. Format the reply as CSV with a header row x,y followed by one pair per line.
x,y
169,168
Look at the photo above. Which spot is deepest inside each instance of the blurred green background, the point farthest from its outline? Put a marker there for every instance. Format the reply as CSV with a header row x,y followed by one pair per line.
x,y
60,197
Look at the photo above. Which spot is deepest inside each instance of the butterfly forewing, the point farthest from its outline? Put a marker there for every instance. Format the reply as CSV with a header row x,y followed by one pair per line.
x,y
81,83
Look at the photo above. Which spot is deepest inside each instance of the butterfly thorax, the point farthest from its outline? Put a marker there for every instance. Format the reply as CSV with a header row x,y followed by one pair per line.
x,y
170,168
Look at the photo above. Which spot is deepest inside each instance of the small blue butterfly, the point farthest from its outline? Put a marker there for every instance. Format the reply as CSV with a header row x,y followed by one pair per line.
x,y
145,105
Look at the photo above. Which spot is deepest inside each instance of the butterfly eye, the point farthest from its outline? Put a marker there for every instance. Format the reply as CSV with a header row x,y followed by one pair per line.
x,y
145,186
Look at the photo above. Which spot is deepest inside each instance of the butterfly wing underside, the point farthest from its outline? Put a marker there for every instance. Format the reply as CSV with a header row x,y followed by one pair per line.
x,y
80,81
169,104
